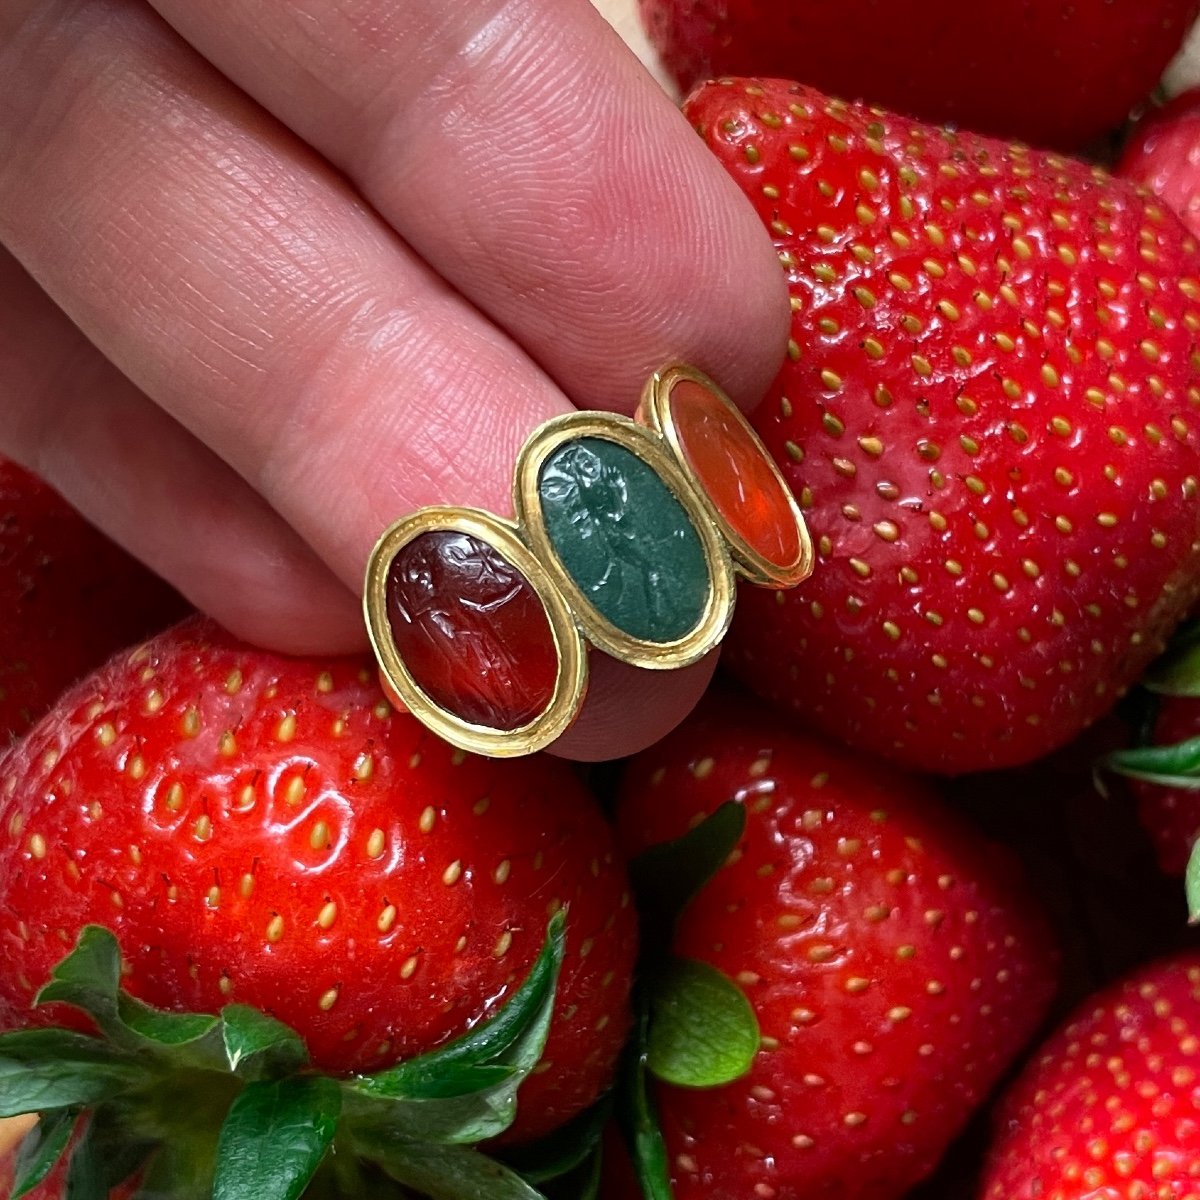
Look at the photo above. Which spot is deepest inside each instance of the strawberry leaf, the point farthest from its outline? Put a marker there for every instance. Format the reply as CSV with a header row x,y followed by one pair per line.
x,y
457,1120
45,1069
565,1150
703,1031
513,1039
89,978
257,1126
257,1045
180,1170
1191,883
274,1138
666,877
1169,766
456,1081
41,1148
1177,672
122,1150
638,1114
467,1091
451,1172
85,1174
156,1027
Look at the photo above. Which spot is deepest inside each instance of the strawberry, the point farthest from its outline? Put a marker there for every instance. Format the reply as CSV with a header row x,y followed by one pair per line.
x,y
1079,849
1107,1107
989,414
1162,154
264,831
68,598
1165,777
889,953
1048,72
1162,767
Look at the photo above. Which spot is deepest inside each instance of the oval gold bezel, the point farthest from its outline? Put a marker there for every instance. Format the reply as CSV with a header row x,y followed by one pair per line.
x,y
652,451
504,536
656,413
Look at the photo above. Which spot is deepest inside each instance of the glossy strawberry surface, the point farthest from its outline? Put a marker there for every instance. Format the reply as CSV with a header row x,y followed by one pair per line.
x,y
990,414
1163,155
269,831
1109,1105
890,952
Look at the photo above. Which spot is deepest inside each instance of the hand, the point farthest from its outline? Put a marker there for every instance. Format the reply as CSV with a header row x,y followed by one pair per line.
x,y
279,273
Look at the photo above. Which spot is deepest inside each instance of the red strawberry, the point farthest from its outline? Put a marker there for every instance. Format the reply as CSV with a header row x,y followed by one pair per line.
x,y
889,953
1045,71
1109,1106
1167,796
1162,767
1079,850
1163,155
989,413
268,831
68,598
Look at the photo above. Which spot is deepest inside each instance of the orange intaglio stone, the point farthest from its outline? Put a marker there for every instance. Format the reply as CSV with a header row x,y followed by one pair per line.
x,y
734,468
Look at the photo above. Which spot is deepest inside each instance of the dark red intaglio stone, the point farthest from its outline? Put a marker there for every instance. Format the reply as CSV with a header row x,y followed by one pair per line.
x,y
471,630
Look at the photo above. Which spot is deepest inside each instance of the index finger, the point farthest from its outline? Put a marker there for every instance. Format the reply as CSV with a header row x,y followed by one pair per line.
x,y
530,159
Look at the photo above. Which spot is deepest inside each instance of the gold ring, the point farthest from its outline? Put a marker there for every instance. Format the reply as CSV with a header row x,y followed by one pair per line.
x,y
628,538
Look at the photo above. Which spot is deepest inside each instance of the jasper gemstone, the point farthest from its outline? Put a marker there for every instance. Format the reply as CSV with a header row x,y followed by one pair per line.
x,y
735,470
624,539
471,630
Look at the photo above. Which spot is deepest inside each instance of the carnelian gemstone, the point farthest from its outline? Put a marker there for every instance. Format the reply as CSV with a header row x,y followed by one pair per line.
x,y
734,469
471,630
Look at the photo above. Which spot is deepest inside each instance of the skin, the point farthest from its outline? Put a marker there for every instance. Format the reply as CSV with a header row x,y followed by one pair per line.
x,y
274,275
12,1130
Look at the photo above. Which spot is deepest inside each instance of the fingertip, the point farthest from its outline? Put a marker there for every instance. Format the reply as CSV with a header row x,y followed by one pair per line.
x,y
629,708
738,316
699,276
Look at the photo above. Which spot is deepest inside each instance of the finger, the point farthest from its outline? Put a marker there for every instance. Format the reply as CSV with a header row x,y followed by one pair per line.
x,y
525,153
267,309
75,420
261,303
628,709
12,1130
82,426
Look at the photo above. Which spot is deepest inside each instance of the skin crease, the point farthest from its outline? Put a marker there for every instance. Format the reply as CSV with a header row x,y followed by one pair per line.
x,y
277,274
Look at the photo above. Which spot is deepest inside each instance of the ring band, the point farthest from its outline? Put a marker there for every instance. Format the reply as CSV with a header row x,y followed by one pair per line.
x,y
628,537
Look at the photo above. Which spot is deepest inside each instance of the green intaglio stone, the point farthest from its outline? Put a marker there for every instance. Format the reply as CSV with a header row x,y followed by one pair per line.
x,y
624,539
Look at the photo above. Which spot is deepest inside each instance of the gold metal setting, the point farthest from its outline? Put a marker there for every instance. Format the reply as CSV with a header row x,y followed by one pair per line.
x,y
602,633
573,619
655,411
402,688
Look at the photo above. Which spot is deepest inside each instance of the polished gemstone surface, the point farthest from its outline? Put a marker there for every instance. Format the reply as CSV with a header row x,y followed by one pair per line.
x,y
471,630
624,539
735,471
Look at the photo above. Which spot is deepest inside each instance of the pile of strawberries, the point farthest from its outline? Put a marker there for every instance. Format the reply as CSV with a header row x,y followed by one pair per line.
x,y
896,913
